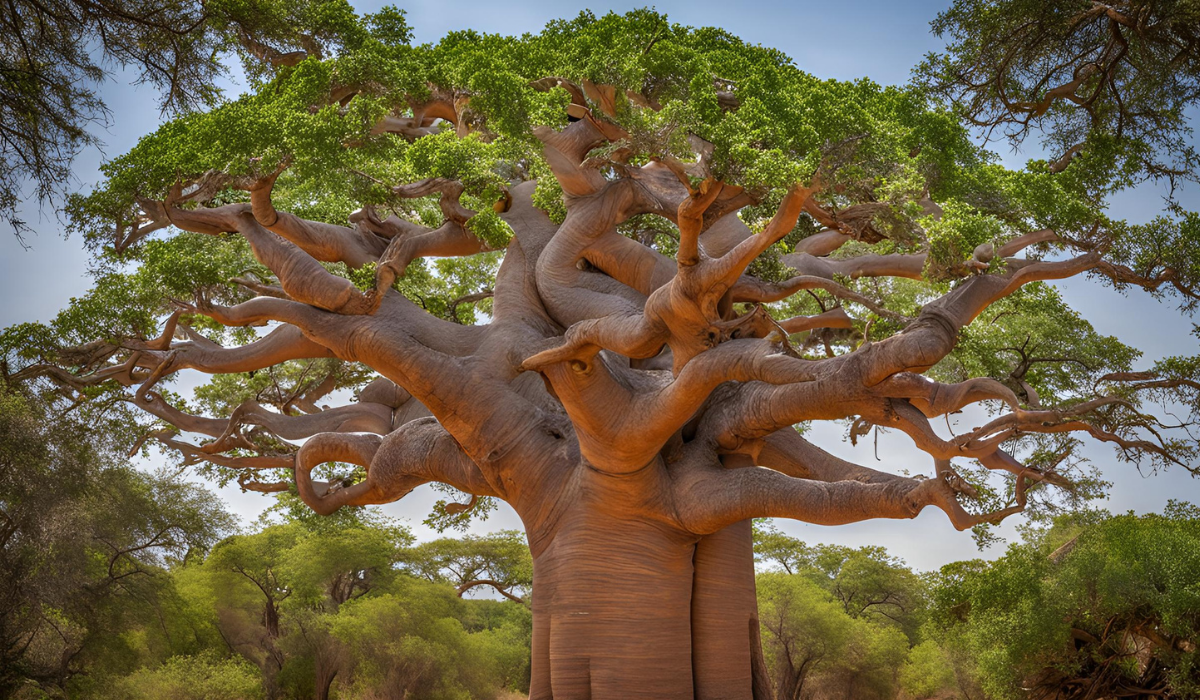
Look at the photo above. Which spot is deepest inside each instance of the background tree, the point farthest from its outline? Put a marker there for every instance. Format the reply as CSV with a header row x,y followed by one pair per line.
x,y
84,545
867,581
276,586
1109,81
931,671
498,560
298,598
1094,606
837,622
414,643
682,247
54,55
57,53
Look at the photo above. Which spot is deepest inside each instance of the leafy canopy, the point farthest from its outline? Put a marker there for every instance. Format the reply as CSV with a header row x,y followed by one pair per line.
x,y
333,111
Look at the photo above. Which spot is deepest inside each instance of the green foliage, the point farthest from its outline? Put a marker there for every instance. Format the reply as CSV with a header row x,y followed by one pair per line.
x,y
954,236
785,126
500,558
321,27
199,677
811,643
867,582
276,384
926,672
1165,243
1093,597
1124,76
176,268
436,285
88,540
314,563
1021,337
410,640
339,599
390,26
488,227
1089,599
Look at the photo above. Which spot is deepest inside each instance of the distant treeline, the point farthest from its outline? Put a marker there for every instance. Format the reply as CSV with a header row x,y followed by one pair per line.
x,y
1089,606
118,584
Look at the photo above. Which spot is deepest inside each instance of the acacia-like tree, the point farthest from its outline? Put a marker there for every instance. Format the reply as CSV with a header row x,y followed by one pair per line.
x,y
54,54
661,250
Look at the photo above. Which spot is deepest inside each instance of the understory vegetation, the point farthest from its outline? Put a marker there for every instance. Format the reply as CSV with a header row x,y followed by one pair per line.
x,y
1091,605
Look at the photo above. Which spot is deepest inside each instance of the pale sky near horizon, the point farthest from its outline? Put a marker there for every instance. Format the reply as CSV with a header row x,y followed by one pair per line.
x,y
882,40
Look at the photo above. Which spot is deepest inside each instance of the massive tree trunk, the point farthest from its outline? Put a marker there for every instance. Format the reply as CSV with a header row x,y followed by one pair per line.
x,y
629,601
612,609
727,658
626,606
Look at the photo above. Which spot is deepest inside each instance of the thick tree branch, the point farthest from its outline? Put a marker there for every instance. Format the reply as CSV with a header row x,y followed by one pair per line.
x,y
684,313
419,452
324,242
589,388
709,497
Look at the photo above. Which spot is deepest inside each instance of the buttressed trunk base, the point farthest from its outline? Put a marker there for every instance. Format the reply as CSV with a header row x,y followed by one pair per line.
x,y
633,609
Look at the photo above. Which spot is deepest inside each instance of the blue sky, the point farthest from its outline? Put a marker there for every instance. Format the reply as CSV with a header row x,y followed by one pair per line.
x,y
882,40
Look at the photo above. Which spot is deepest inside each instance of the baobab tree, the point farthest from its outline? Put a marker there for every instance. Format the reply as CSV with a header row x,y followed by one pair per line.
x,y
657,253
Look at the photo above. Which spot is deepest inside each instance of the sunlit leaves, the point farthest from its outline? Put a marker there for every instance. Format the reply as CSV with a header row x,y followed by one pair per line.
x,y
1061,605
954,236
1166,247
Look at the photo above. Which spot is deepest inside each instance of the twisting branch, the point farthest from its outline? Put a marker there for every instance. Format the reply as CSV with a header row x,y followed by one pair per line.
x,y
787,452
652,414
300,274
354,418
287,342
248,483
565,152
684,313
834,318
451,239
936,399
417,453
1067,419
959,515
324,242
710,496
194,455
885,372
764,292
